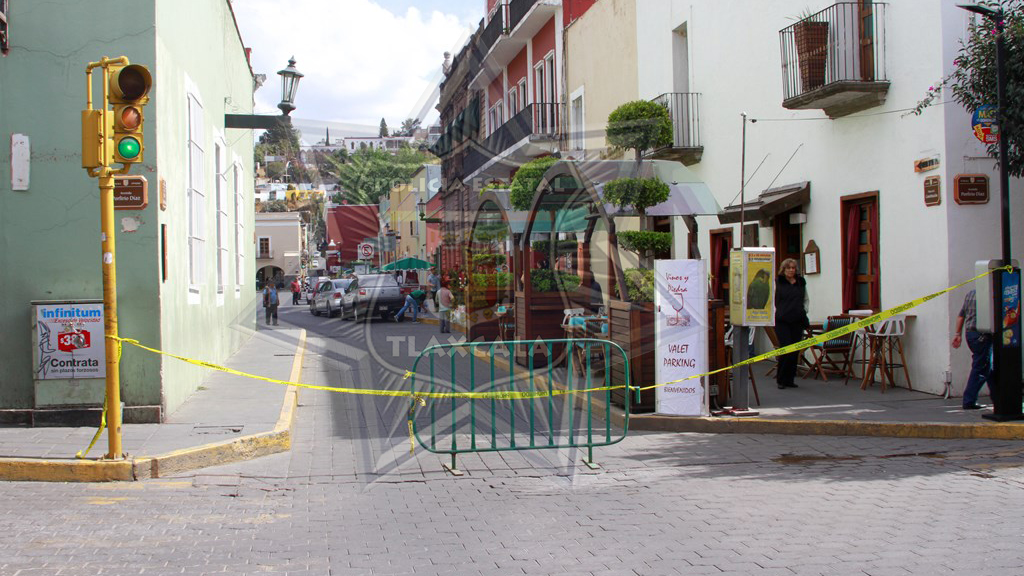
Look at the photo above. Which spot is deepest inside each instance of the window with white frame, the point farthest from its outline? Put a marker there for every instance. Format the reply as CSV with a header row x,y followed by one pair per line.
x,y
221,190
513,102
523,94
578,141
236,183
196,195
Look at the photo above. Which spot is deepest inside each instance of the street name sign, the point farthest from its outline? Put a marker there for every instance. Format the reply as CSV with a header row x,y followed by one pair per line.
x,y
130,193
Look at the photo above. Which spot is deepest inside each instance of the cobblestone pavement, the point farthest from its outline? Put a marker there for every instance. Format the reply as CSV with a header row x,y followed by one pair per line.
x,y
350,500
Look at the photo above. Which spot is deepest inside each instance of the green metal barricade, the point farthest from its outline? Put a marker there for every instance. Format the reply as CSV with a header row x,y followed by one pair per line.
x,y
495,405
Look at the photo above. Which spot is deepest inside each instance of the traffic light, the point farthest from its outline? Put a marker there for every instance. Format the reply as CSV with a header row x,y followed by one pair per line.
x,y
96,150
128,93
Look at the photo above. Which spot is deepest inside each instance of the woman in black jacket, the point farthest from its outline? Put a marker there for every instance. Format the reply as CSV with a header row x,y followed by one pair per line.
x,y
790,318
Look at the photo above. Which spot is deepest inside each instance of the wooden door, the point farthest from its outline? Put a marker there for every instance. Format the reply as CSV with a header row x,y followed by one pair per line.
x,y
788,243
721,246
867,40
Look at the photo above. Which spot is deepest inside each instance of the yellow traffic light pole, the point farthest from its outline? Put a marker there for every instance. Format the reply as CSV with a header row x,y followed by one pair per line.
x,y
109,261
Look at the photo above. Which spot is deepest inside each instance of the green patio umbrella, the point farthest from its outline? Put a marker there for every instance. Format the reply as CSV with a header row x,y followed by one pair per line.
x,y
406,264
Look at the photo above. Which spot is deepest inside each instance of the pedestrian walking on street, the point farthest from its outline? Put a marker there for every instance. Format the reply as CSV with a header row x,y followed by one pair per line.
x,y
790,318
270,302
434,285
414,300
981,351
296,291
444,303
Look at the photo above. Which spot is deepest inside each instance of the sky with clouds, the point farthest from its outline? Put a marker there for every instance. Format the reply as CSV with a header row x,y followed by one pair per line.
x,y
362,59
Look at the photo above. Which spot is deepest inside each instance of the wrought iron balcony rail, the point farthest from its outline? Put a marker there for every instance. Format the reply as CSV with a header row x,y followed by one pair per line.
x,y
842,43
535,121
517,10
684,111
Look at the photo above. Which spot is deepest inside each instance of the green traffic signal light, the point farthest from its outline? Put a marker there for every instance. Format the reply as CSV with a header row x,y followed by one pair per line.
x,y
128,147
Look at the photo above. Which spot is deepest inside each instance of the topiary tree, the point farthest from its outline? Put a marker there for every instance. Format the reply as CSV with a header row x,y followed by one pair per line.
x,y
640,125
645,242
641,194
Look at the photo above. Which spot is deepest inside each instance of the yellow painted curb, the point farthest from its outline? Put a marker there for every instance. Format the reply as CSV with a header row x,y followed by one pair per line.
x,y
238,449
34,470
937,430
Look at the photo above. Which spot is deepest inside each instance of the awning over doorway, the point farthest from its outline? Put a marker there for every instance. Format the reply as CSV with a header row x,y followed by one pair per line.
x,y
769,204
688,194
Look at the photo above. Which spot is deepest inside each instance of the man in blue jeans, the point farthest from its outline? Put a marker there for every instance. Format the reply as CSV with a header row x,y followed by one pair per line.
x,y
981,351
414,300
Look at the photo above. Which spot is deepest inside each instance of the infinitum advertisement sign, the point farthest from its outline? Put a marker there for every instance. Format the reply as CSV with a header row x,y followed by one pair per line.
x,y
69,341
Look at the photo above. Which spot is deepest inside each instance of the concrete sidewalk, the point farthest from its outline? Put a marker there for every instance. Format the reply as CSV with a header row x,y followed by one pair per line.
x,y
229,418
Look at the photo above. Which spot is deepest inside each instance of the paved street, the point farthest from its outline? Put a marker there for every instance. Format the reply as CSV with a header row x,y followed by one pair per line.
x,y
349,499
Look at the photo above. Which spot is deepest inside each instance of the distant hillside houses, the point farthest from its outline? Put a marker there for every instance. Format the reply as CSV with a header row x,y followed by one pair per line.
x,y
271,191
390,143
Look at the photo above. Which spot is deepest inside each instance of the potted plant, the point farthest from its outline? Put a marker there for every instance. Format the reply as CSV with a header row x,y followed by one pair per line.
x,y
811,36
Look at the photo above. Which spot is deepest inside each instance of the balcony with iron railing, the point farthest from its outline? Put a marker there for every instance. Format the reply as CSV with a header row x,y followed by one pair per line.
x,y
834,60
684,112
513,25
537,124
265,255
494,28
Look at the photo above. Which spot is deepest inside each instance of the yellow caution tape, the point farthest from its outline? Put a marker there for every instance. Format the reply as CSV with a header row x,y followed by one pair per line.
x,y
103,424
420,397
832,334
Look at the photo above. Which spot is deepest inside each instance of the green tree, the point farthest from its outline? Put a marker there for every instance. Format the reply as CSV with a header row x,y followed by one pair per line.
x,y
973,80
640,125
275,206
527,178
409,126
282,141
641,194
383,128
372,173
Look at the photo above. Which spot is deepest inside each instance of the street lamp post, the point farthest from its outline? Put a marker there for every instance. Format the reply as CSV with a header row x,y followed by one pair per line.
x,y
290,77
1006,368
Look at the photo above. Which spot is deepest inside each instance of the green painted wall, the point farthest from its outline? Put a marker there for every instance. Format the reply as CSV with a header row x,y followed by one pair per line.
x,y
50,234
206,325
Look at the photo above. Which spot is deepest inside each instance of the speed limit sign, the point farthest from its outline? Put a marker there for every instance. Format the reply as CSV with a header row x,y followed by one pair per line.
x,y
366,251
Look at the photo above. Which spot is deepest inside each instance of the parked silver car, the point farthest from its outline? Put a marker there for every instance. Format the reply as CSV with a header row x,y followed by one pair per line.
x,y
371,294
311,287
327,297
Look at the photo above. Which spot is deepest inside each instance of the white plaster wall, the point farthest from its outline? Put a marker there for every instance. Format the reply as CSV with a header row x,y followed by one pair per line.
x,y
974,231
601,51
735,63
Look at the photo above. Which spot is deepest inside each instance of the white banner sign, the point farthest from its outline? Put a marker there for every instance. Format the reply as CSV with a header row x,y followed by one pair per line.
x,y
69,341
681,329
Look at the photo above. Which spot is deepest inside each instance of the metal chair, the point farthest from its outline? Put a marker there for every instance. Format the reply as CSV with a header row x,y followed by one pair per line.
x,y
506,324
885,340
825,354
